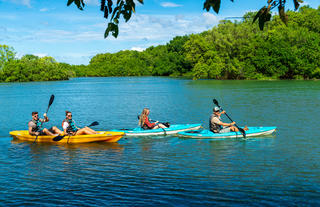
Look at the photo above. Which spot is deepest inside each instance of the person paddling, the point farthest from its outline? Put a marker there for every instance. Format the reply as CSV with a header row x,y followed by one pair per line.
x,y
217,126
35,125
69,126
145,123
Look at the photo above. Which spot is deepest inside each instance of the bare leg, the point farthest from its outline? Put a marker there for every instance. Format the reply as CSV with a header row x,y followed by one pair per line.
x,y
159,126
162,126
56,130
91,130
47,132
234,129
84,131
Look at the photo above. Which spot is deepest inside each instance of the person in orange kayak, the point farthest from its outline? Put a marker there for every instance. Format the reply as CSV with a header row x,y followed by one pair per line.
x,y
145,123
69,126
35,126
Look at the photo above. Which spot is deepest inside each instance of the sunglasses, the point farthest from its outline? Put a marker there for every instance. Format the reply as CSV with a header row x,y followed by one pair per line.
x,y
69,115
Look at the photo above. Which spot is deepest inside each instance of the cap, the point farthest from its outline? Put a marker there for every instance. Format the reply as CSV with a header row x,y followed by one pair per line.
x,y
215,109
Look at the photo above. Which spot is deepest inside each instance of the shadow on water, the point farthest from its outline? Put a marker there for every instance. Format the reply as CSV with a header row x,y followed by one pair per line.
x,y
41,147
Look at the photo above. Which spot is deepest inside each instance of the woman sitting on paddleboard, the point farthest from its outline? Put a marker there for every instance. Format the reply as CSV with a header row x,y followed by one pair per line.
x,y
69,126
144,121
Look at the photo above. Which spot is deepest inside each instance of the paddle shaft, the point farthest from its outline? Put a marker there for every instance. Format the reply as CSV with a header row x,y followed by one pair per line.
x,y
50,102
230,118
240,129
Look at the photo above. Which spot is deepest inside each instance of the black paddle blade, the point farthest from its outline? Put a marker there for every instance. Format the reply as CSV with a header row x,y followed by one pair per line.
x,y
58,138
51,99
242,132
95,123
215,102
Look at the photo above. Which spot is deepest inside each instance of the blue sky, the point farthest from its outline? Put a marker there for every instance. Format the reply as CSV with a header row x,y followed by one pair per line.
x,y
50,28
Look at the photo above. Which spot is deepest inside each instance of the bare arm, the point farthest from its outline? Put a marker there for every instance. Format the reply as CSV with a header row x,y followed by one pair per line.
x,y
30,130
226,124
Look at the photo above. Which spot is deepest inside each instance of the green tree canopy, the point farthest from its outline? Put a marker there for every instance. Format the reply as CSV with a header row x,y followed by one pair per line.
x,y
6,53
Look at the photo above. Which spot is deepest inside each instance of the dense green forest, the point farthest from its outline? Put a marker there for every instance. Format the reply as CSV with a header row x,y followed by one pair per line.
x,y
231,50
31,68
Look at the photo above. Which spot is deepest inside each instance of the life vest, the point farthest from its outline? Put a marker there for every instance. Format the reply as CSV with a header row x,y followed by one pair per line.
x,y
145,126
213,126
37,127
71,127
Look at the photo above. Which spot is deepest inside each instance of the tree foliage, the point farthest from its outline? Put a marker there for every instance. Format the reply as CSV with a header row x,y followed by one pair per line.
x,y
33,68
6,53
231,50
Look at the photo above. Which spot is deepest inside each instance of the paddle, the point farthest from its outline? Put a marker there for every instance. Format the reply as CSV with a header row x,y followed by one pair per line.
x,y
50,102
240,129
60,137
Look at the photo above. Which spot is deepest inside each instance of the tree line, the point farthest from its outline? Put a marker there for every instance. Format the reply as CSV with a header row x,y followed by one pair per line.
x,y
231,50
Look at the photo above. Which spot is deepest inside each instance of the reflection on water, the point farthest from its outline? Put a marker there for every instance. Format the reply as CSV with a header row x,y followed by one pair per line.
x,y
279,170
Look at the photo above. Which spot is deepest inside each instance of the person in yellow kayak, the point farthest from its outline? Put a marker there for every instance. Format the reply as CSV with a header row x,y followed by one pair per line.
x,y
145,123
36,123
217,126
69,126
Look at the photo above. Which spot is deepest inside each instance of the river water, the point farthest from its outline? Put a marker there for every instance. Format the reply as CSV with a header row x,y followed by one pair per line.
x,y
277,170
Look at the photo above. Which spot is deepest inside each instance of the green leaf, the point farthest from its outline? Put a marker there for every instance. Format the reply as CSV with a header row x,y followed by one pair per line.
x,y
70,2
102,5
110,6
296,4
206,6
79,3
115,31
113,28
258,14
106,33
215,4
105,12
263,18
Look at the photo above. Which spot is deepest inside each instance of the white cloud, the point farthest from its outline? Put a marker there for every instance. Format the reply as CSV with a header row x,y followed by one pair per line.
x,y
170,4
140,49
43,9
210,18
22,2
92,2
142,31
164,27
41,54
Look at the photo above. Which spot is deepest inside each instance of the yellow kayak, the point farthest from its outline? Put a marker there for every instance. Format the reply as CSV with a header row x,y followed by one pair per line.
x,y
103,136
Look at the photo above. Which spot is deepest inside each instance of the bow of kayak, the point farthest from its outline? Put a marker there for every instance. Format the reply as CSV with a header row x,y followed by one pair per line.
x,y
173,129
253,131
102,136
